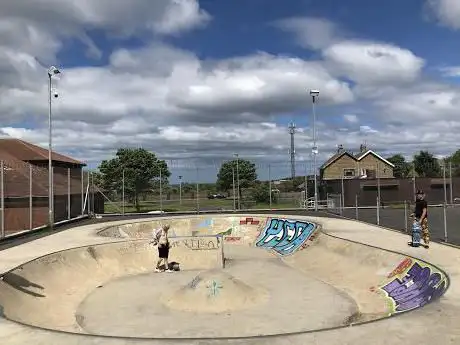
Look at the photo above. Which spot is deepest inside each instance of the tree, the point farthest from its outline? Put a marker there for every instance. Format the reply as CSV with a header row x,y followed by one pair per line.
x,y
454,160
246,172
402,168
141,171
426,165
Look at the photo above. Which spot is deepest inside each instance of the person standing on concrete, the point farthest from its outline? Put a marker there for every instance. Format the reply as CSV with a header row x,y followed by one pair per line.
x,y
421,215
160,238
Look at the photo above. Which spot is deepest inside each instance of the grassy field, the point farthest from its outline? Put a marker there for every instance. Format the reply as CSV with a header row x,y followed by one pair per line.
x,y
192,205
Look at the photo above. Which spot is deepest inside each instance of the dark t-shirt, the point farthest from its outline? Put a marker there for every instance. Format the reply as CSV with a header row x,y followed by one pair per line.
x,y
419,206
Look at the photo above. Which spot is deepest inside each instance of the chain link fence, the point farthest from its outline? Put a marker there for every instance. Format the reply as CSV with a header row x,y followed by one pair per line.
x,y
186,192
372,194
386,201
24,195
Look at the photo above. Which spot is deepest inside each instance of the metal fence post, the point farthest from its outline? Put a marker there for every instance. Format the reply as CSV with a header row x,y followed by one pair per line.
x,y
445,221
340,205
356,207
306,187
31,202
161,192
82,192
378,211
444,180
233,186
342,194
405,216
91,193
379,196
445,199
450,184
69,214
270,185
123,192
197,192
2,196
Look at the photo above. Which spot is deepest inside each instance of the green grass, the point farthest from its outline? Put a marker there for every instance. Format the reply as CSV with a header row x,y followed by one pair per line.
x,y
191,205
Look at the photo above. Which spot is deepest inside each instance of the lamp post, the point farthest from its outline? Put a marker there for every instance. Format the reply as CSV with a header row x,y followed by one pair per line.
x,y
238,181
180,189
314,94
51,72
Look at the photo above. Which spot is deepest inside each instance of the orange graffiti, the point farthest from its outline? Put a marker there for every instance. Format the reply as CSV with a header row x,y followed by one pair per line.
x,y
250,221
404,265
232,238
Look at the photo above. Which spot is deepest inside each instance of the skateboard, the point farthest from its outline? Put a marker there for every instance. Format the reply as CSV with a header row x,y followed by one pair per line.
x,y
416,235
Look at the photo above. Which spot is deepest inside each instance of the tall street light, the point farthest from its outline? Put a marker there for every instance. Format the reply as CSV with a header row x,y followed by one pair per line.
x,y
51,72
314,94
238,180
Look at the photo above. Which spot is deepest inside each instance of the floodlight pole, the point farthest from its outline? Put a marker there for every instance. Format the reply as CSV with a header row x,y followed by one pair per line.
x,y
314,94
51,71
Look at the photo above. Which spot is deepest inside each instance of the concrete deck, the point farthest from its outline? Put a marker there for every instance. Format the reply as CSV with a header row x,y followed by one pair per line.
x,y
434,323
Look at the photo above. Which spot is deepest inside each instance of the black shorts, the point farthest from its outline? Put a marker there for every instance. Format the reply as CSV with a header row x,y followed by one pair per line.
x,y
163,251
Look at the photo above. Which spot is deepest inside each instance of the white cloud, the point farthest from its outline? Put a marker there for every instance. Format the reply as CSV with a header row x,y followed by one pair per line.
x,y
316,33
374,63
352,118
363,61
182,107
451,71
447,12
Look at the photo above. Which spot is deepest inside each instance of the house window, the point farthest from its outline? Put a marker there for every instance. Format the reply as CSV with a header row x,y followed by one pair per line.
x,y
348,172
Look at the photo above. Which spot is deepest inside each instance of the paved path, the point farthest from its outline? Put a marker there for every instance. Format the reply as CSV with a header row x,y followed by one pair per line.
x,y
395,219
434,323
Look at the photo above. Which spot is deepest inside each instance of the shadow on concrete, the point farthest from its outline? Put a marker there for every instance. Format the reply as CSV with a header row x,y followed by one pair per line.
x,y
19,283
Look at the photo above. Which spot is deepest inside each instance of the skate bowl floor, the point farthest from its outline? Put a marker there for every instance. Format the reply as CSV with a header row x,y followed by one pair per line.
x,y
240,276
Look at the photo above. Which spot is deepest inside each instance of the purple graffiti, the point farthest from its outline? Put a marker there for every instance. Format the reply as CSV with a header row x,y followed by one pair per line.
x,y
418,287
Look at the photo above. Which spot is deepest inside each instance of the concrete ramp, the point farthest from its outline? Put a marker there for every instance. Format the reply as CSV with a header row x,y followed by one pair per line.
x,y
382,283
47,291
215,291
281,275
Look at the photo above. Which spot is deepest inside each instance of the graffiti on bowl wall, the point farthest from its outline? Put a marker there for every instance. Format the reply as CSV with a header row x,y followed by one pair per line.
x,y
284,236
413,284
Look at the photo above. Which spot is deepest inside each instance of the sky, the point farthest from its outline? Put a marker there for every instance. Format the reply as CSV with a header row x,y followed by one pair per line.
x,y
197,81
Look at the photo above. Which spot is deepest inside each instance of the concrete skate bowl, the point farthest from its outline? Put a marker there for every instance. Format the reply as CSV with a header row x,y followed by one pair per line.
x,y
281,276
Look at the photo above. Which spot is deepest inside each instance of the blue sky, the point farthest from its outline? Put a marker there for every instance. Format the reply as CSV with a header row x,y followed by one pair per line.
x,y
196,81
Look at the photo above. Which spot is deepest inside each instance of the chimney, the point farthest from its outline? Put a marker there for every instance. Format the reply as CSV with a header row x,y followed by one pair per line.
x,y
339,148
363,148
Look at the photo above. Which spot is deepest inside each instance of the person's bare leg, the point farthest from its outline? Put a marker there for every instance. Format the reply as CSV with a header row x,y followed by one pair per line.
x,y
159,263
166,265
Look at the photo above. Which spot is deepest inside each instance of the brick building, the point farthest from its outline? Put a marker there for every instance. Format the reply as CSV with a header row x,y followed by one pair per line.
x,y
25,185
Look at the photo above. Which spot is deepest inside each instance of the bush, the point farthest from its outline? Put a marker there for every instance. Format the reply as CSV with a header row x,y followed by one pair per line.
x,y
261,194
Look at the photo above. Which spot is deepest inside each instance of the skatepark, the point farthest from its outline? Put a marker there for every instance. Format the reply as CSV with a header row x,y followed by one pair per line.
x,y
243,279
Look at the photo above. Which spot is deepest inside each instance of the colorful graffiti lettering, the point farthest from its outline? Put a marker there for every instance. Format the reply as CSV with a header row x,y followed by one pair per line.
x,y
414,286
284,236
232,238
402,267
225,233
206,223
214,288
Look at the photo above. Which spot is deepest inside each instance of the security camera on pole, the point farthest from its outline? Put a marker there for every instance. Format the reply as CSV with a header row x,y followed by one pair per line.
x,y
314,95
51,72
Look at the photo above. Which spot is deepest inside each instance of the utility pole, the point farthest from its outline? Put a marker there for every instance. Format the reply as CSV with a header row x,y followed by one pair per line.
x,y
292,128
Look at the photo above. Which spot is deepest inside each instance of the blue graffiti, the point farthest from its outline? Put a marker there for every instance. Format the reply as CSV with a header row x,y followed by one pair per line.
x,y
285,236
205,223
